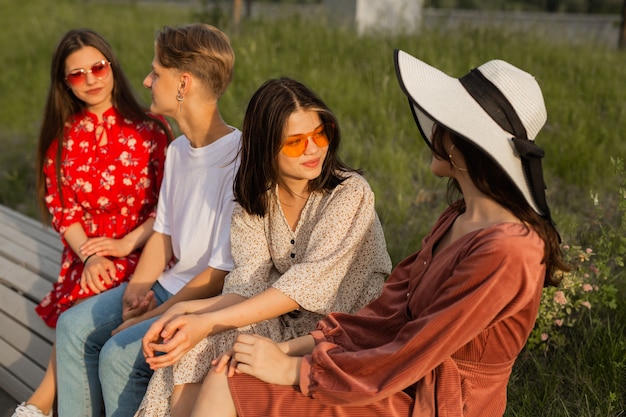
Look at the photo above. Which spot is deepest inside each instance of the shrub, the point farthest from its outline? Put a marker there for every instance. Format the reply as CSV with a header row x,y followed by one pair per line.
x,y
584,288
589,287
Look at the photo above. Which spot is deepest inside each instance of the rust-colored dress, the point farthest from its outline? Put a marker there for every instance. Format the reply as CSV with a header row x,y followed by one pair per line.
x,y
440,341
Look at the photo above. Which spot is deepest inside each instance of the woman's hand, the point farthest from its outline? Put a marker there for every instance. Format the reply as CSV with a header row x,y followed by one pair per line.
x,y
97,272
220,363
106,246
135,304
177,337
156,329
262,358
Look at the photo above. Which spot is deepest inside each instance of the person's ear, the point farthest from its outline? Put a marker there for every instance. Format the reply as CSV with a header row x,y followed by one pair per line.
x,y
185,82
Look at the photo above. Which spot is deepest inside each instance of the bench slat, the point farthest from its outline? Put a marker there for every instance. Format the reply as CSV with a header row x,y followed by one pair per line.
x,y
28,243
29,264
31,344
14,386
22,311
28,373
25,282
23,250
30,227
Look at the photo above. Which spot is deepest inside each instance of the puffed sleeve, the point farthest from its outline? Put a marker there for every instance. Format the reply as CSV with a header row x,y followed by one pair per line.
x,y
63,207
496,279
253,266
345,254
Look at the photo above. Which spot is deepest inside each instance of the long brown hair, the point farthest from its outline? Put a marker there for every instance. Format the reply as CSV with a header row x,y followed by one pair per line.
x,y
492,181
61,102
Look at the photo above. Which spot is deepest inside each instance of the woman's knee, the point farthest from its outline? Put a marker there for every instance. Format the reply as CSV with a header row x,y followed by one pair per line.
x,y
69,324
122,352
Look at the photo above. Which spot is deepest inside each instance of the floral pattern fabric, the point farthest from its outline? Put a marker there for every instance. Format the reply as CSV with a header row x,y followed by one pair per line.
x,y
335,260
110,189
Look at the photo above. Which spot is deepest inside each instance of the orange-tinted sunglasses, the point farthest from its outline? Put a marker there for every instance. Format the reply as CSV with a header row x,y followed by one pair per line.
x,y
295,145
99,70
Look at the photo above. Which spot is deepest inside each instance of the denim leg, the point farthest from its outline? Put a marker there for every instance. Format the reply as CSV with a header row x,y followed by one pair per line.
x,y
81,332
124,373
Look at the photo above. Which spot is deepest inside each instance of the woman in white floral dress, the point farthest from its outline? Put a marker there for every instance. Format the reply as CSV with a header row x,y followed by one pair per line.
x,y
305,237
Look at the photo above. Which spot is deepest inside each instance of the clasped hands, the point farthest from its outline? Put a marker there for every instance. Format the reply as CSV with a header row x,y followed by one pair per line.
x,y
98,269
173,334
134,306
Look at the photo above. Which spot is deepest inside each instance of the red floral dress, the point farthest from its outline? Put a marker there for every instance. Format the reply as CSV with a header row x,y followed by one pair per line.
x,y
109,189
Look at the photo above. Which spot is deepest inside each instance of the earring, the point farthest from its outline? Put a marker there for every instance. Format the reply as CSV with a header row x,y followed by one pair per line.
x,y
180,97
452,162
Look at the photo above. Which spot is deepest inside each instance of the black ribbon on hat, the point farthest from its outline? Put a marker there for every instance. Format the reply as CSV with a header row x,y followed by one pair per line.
x,y
491,99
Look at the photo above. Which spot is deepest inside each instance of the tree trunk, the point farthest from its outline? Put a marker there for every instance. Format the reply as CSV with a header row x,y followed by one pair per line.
x,y
237,14
622,34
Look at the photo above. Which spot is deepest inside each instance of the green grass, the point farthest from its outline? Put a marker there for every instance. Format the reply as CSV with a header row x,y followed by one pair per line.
x,y
588,378
585,96
30,31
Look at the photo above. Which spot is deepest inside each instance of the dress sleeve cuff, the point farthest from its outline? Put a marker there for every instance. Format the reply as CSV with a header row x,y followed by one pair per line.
x,y
305,364
318,336
305,371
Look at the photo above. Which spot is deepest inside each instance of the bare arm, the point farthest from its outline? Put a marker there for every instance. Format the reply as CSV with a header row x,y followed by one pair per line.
x,y
183,332
138,296
155,256
266,305
138,237
207,284
106,246
75,236
98,270
299,346
261,357
157,333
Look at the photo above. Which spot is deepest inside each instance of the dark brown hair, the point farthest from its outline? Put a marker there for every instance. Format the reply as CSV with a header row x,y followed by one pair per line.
x,y
263,133
492,181
61,102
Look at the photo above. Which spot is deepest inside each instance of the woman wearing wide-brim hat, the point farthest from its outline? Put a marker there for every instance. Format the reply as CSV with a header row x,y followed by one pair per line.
x,y
442,338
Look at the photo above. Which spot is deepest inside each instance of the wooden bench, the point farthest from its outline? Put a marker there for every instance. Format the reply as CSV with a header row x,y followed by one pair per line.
x,y
29,263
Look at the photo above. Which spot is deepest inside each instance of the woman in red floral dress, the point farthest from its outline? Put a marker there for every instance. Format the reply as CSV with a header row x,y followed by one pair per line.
x,y
99,167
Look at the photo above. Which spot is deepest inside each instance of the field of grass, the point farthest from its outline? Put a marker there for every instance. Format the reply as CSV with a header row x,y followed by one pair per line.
x,y
585,96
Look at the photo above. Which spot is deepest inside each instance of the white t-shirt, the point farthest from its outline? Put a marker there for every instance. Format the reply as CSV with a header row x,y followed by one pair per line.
x,y
196,205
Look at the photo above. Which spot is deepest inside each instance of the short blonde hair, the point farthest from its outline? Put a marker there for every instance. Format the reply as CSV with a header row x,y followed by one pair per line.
x,y
200,49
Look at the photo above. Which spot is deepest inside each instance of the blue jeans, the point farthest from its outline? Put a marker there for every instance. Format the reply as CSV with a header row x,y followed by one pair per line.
x,y
94,367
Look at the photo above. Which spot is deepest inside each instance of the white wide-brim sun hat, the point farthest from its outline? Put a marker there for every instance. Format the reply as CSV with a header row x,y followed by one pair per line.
x,y
435,97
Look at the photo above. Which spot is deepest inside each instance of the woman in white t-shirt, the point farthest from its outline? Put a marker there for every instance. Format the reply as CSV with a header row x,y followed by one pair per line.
x,y
305,240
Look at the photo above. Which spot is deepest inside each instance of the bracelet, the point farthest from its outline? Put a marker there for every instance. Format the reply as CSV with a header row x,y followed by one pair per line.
x,y
87,258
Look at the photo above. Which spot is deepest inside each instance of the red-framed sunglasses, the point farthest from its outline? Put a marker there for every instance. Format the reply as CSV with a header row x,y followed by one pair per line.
x,y
295,145
100,70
